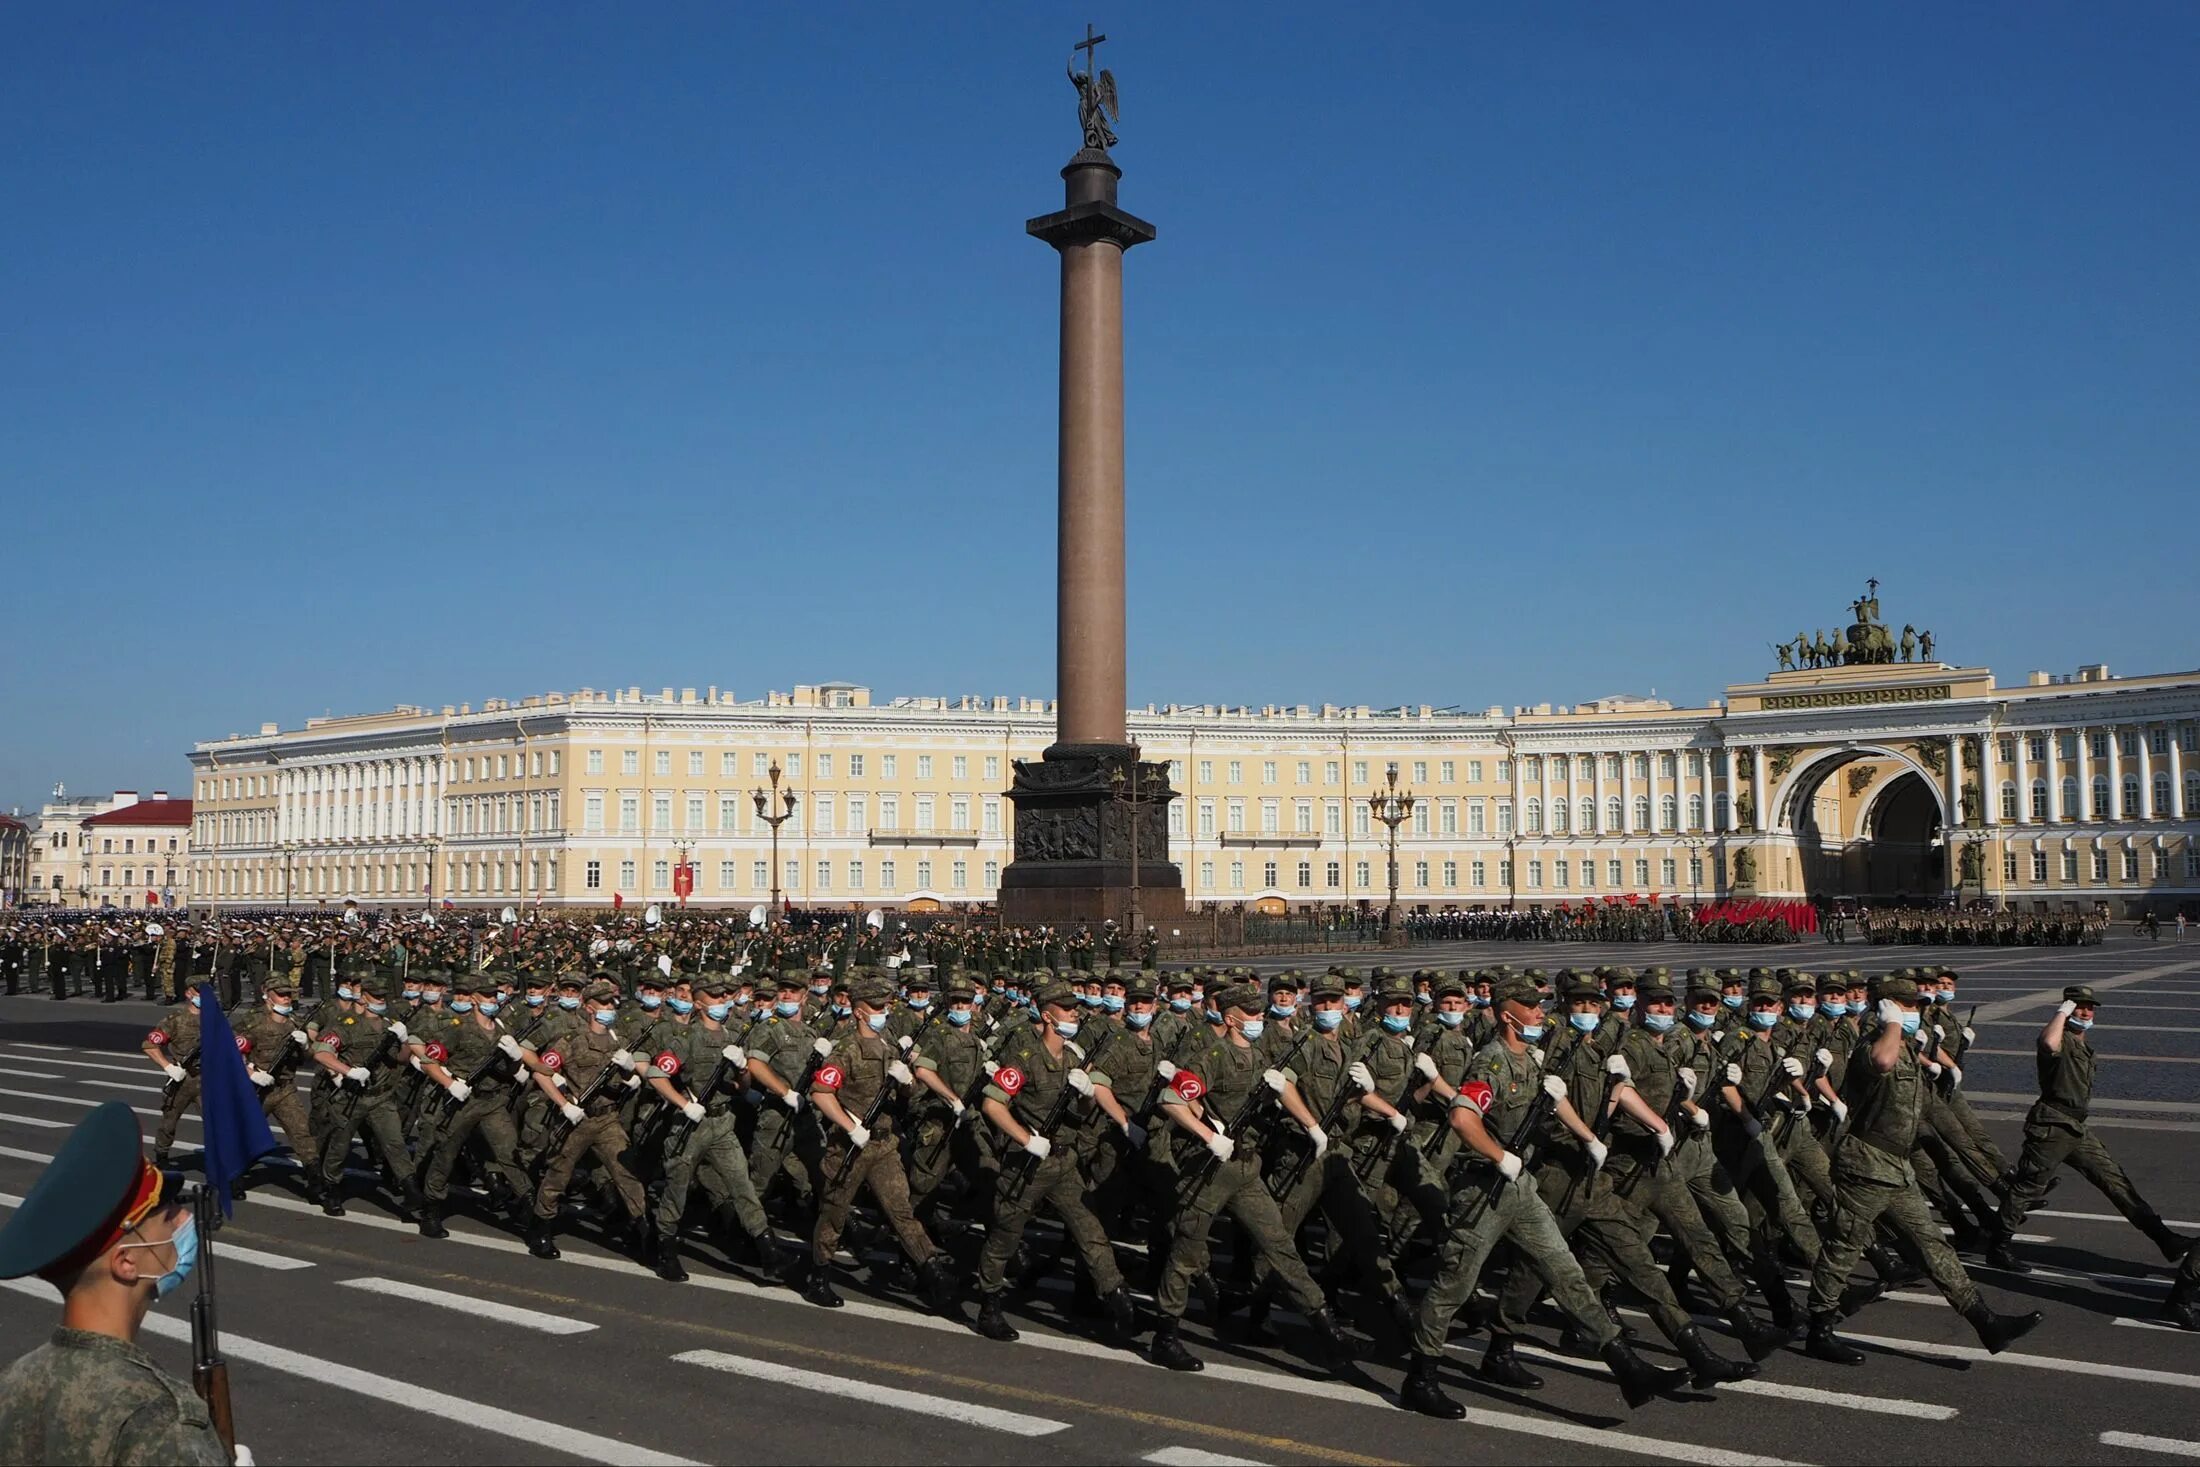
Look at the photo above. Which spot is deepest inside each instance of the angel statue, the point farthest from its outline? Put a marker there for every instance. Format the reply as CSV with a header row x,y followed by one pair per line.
x,y
1096,102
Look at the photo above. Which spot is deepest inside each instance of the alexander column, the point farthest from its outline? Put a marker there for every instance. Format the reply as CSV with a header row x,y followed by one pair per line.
x,y
1091,817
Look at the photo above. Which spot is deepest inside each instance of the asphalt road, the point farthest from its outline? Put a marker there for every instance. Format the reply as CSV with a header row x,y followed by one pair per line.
x,y
356,1340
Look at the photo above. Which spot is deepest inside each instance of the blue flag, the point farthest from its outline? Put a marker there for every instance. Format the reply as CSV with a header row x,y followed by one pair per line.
x,y
234,1126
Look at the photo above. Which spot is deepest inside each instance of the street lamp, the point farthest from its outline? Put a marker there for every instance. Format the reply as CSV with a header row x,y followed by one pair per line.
x,y
681,875
1694,846
1137,803
1393,809
764,804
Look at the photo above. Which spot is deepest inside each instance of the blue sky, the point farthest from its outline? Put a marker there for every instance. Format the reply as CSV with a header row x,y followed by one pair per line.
x,y
358,355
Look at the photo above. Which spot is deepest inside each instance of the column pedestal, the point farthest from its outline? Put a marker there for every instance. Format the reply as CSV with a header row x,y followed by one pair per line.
x,y
1074,825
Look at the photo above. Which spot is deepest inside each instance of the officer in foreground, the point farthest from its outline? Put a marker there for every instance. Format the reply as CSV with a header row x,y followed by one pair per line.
x,y
113,1235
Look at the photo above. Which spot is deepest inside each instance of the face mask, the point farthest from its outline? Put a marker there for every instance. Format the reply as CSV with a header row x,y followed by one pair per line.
x,y
920,1004
376,1006
716,1012
1352,1002
463,1006
1623,1002
1211,1015
186,1244
787,1008
345,992
1802,1013
1585,1023
960,1018
604,1016
537,1000
1137,1020
875,1021
431,999
568,1002
1397,1023
2072,1022
1067,1028
1702,1021
682,1005
821,989
1112,1002
1449,1019
1478,1000
1424,999
490,1006
1252,1029
1089,1000
1283,1010
1532,1033
1329,1020
1731,1000
841,1011
1910,1022
1762,1019
281,1009
651,1001
1833,1009
1928,995
1180,1005
1657,1023
411,995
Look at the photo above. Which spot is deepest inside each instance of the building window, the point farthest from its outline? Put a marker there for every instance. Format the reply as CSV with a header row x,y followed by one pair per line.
x,y
1360,875
1236,772
1668,812
824,876
1615,814
886,765
1359,771
2161,795
2131,797
924,766
1535,874
1695,872
886,876
2069,865
1206,876
1614,873
1558,816
1451,875
1589,874
729,873
2071,810
1477,817
1237,876
1504,874
924,873
1332,772
2131,864
660,812
1306,876
626,876
1268,875
2099,811
1333,875
992,875
1668,873
760,876
1642,812
2009,866
1420,771
660,875
1532,816
1268,771
2100,864
794,766
1695,812
1563,873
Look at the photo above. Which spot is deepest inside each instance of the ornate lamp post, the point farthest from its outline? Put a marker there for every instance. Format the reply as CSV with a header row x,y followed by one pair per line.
x,y
1393,809
764,804
1136,804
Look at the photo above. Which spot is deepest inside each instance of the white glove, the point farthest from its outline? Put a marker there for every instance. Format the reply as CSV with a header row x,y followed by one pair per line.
x,y
1426,1064
508,1046
1275,1080
1824,1058
300,1038
859,1136
1165,1070
1535,1053
633,1082
358,1074
1793,1066
1399,1121
1932,1068
1970,1035
822,1048
459,1090
1890,1012
176,1073
958,1110
1508,1166
2066,1008
693,1110
1320,1138
1665,1141
413,1060
623,1060
1221,1145
1618,1068
243,1458
559,1081
1840,1112
1135,1134
1038,1146
1733,1074
1554,1087
261,1078
1598,1151
1955,1073
1359,1074
791,1099
898,1073
573,1112
907,1042
1688,1080
404,1035
1701,1118
1940,1031
735,1055
1750,1128
1081,1082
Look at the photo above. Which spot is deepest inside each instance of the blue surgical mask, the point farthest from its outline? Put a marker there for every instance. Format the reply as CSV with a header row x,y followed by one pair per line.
x,y
716,1012
1449,1018
1585,1023
651,1001
682,1005
1802,1013
1762,1018
1532,1033
462,1006
1702,1021
1478,1001
431,998
1833,1008
491,1005
1112,1002
1352,1002
345,992
376,1006
1089,1000
921,1004
1067,1028
1928,995
1657,1023
1424,998
2073,1022
875,1021
1910,1023
821,989
1397,1023
841,1011
1283,1010
1137,1020
1623,1001
787,1008
1180,1005
186,1244
1731,1000
1252,1029
1329,1020
282,1010
537,1000
603,1016
1212,1016
960,1018
569,1002
410,995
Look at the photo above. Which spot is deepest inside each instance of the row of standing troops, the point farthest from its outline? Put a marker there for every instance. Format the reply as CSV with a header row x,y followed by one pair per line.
x,y
1440,1123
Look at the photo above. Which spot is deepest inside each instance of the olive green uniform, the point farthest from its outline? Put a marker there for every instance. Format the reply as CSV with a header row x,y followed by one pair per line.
x,y
709,1151
84,1397
855,1073
581,1056
2056,1134
1030,1082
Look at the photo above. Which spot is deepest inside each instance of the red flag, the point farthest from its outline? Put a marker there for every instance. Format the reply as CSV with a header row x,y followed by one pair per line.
x,y
618,900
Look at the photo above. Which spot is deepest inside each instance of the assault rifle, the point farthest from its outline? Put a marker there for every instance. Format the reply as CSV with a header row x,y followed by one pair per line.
x,y
560,1127
190,1066
1525,1143
209,1371
498,1066
1287,1176
879,1102
720,1073
1028,1165
1255,1100
384,1052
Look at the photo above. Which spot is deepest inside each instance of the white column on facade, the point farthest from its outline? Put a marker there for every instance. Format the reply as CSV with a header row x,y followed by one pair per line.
x,y
1758,792
1726,758
2077,773
1543,777
1989,786
2115,774
1955,779
2176,775
1596,787
2023,777
1704,778
1573,771
1627,792
2146,777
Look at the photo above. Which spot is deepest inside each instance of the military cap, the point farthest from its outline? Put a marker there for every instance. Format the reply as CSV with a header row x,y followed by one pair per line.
x,y
1536,975
1515,990
1766,987
1701,985
1620,975
715,986
572,980
959,990
1900,989
1349,974
1451,986
918,981
1284,983
789,979
1241,996
373,983
1181,983
1138,988
1057,993
1697,975
98,1186
2079,993
1395,990
467,984
1582,986
1802,983
601,990
876,992
1327,986
1655,990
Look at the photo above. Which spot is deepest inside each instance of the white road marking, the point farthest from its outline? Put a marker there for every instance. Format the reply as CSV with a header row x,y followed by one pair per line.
x,y
137,1069
228,1251
1844,1400
855,1388
30,1075
529,1430
40,1121
141,1085
2129,1323
2035,1362
2167,1445
45,1048
2109,1217
1194,1457
534,1319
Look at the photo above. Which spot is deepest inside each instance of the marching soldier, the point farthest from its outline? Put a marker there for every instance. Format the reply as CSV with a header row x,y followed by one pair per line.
x,y
364,1054
699,1071
475,1074
597,1071
274,1043
173,1046
783,1052
948,1062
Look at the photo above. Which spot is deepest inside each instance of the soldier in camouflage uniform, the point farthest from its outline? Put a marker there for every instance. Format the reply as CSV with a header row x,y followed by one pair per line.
x,y
784,1051
364,1054
699,1071
948,1060
597,1071
475,1078
173,1046
274,1044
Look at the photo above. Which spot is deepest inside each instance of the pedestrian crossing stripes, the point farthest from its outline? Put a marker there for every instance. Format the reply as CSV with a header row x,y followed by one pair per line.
x,y
870,1393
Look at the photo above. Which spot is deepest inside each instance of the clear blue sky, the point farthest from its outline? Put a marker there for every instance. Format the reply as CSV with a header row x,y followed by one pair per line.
x,y
1489,354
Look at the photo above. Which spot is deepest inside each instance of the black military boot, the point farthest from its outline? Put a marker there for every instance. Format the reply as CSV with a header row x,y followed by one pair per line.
x,y
936,1278
1168,1348
1122,1325
1779,1303
410,1198
817,1287
431,1222
1421,1393
1706,1369
766,1263
990,1322
1606,1297
1401,1313
1758,1337
160,1159
1823,1344
1997,1332
669,1266
2182,1308
2173,1246
1332,1351
542,1236
1999,1254
1501,1367
332,1197
1255,1330
1893,1272
1640,1382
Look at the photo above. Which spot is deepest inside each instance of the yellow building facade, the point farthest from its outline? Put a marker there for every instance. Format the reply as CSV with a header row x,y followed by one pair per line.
x,y
1900,781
